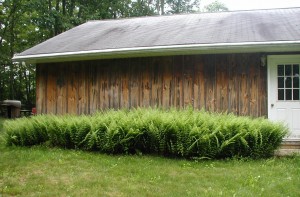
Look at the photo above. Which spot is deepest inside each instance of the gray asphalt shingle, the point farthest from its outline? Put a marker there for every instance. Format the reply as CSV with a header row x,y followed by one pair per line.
x,y
204,28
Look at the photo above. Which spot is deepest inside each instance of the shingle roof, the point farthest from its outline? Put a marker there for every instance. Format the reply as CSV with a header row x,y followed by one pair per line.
x,y
256,26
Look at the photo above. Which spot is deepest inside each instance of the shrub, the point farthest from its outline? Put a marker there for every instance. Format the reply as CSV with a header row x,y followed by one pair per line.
x,y
182,133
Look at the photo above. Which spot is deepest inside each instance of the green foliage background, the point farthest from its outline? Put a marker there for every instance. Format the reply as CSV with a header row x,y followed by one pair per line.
x,y
25,23
181,133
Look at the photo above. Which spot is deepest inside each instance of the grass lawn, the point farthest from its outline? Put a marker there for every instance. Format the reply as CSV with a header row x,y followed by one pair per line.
x,y
40,171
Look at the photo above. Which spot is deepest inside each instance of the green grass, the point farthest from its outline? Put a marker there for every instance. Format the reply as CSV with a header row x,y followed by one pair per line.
x,y
40,171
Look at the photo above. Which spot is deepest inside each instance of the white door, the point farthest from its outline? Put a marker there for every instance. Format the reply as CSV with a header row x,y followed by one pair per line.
x,y
283,91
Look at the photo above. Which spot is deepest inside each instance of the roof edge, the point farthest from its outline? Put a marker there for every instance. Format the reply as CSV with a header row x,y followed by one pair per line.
x,y
216,48
193,13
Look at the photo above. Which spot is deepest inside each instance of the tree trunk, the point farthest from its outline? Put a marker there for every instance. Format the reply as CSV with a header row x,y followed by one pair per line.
x,y
11,50
72,7
162,6
56,24
64,7
49,5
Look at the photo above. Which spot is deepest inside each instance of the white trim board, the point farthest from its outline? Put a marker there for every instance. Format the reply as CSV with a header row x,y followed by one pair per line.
x,y
215,48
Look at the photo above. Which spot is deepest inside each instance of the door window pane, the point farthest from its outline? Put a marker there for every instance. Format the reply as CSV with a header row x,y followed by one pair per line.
x,y
280,82
296,69
296,82
296,94
281,94
288,94
288,82
288,70
280,70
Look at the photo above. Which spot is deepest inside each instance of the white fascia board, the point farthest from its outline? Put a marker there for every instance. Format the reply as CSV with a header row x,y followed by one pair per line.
x,y
217,48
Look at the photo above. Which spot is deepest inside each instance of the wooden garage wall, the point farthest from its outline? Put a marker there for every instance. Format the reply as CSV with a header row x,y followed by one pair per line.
x,y
232,82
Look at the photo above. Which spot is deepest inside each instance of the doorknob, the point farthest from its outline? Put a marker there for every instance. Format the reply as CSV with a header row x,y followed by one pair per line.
x,y
272,105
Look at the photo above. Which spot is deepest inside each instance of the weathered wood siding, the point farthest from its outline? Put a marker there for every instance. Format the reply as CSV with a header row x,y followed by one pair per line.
x,y
228,82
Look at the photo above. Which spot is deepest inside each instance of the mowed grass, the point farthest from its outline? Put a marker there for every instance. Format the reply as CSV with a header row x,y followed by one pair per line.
x,y
41,171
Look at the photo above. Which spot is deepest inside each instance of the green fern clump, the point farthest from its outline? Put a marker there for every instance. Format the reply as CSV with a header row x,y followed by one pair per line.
x,y
181,133
25,132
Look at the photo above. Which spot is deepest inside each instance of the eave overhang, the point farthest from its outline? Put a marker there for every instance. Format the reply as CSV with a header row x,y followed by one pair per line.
x,y
189,49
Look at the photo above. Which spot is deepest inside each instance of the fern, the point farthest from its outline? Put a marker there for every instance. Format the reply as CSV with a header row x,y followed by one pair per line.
x,y
184,133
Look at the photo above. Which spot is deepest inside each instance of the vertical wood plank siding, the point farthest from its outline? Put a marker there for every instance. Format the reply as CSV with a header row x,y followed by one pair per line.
x,y
227,82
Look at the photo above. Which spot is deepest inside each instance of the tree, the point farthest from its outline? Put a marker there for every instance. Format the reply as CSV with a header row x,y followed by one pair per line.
x,y
183,6
12,39
215,6
142,8
160,6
